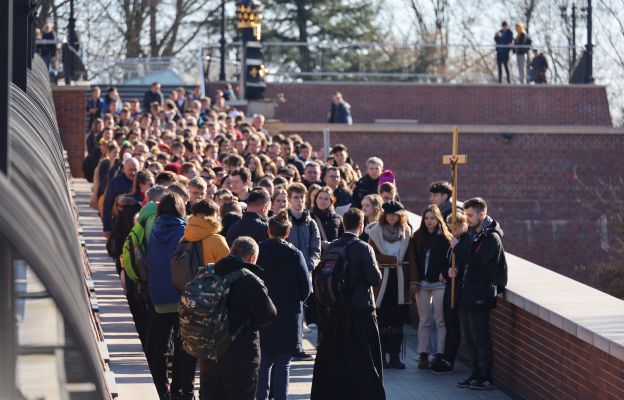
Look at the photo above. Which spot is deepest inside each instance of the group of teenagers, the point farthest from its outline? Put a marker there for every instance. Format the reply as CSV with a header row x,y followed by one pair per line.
x,y
269,205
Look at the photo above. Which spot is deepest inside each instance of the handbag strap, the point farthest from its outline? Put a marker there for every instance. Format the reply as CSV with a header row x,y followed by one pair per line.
x,y
321,229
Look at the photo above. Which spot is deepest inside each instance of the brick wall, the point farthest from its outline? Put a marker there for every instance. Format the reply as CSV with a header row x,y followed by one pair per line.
x,y
541,187
536,360
70,103
445,104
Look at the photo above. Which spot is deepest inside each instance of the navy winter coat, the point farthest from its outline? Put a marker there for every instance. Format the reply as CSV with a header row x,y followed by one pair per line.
x,y
285,274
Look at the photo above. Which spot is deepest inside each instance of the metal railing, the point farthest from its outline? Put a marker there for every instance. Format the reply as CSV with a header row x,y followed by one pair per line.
x,y
423,62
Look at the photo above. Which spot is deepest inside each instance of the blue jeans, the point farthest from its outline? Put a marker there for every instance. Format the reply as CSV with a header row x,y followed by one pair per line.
x,y
273,373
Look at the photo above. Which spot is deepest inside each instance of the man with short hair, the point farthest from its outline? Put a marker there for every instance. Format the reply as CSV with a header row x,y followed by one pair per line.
x,y
285,274
120,184
441,194
287,153
388,192
240,179
249,306
333,179
154,95
503,39
369,183
305,152
197,190
340,112
311,174
479,291
254,222
306,237
348,361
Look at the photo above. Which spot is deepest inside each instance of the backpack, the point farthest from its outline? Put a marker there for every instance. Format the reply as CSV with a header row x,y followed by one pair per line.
x,y
500,275
185,262
329,278
204,322
133,254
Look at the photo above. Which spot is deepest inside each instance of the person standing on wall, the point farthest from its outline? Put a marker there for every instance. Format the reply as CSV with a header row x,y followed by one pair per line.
x,y
503,39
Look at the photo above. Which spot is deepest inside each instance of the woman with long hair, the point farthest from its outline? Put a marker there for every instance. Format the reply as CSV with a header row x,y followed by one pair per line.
x,y
279,201
371,207
429,251
311,196
255,167
522,44
390,239
163,315
329,223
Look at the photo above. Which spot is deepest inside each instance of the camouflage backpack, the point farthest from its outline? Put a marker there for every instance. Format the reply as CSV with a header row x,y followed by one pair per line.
x,y
204,322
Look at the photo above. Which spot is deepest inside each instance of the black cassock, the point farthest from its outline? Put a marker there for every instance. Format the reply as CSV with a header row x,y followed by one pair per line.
x,y
348,361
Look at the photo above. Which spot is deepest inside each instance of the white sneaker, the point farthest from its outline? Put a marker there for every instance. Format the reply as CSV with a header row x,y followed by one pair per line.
x,y
306,329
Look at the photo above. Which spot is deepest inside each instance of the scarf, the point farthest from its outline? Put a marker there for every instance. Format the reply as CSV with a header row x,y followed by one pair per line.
x,y
392,233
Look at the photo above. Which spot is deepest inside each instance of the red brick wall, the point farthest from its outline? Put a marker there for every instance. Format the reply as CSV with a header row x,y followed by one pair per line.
x,y
70,103
536,360
541,187
445,104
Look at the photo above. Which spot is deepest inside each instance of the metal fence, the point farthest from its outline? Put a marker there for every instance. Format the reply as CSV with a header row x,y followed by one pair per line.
x,y
55,328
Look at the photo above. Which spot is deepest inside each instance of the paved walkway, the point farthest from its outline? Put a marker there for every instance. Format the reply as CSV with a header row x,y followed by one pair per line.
x,y
130,367
132,375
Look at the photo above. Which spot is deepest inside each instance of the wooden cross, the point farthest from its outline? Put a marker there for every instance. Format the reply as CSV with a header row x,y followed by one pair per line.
x,y
454,160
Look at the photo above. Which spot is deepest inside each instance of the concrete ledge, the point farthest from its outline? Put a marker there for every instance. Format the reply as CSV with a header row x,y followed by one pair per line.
x,y
582,311
276,127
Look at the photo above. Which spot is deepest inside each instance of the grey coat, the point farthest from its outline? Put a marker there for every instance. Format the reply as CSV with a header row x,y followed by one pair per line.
x,y
305,236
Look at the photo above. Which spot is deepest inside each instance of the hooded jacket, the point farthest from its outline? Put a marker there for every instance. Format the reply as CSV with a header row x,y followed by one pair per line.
x,y
206,230
248,302
305,236
163,240
484,255
145,221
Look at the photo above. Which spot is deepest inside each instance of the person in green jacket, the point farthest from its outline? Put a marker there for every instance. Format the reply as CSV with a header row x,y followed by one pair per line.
x,y
133,249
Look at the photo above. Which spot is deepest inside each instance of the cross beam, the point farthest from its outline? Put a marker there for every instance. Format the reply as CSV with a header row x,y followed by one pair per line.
x,y
454,160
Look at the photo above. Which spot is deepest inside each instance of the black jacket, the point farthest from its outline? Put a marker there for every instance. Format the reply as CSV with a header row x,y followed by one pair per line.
x,y
331,224
484,255
251,224
151,97
447,208
227,221
126,208
363,273
363,187
438,247
343,197
461,251
248,301
285,274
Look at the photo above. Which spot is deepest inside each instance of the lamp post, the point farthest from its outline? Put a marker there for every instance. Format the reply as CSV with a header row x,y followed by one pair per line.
x,y
589,47
222,43
249,20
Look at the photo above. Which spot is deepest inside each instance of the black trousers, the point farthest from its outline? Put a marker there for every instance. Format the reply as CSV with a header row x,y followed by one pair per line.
x,y
502,60
138,308
183,373
476,326
451,321
228,387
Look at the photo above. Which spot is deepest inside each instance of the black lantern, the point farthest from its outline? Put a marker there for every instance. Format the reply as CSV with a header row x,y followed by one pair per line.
x,y
249,18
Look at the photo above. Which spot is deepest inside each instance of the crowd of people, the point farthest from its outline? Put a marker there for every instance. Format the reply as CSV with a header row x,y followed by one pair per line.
x,y
186,180
521,46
